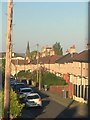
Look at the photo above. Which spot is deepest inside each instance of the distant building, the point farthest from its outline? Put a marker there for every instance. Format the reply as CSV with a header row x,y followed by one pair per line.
x,y
47,51
71,50
20,56
27,55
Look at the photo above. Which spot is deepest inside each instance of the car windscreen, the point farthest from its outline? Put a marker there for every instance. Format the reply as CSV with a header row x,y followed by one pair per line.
x,y
20,86
33,97
26,90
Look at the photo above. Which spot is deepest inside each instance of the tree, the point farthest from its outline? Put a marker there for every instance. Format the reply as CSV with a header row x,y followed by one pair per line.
x,y
58,49
33,54
24,74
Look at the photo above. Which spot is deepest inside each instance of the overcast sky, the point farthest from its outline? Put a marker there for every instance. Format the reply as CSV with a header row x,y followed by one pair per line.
x,y
46,23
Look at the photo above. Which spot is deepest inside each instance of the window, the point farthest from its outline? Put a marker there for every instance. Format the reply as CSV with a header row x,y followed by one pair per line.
x,y
33,97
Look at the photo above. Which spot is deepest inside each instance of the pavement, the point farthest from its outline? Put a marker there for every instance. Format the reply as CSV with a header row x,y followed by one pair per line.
x,y
71,106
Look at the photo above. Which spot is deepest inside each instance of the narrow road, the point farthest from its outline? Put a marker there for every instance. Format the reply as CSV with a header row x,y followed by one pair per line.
x,y
50,108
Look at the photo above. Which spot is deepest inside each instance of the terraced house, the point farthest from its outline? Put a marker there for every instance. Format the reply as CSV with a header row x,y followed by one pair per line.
x,y
72,66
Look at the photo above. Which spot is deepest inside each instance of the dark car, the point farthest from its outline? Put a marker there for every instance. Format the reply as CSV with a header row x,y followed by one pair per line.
x,y
17,87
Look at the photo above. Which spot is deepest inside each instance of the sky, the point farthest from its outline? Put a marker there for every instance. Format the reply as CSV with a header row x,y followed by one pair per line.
x,y
46,23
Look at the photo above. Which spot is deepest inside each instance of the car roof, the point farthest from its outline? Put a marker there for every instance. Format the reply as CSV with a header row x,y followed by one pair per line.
x,y
19,83
32,94
25,88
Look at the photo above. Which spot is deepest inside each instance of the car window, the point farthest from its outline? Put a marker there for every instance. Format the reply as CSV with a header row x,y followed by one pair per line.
x,y
26,90
33,97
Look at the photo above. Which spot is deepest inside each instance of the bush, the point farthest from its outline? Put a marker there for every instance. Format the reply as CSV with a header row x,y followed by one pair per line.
x,y
1,103
15,106
51,79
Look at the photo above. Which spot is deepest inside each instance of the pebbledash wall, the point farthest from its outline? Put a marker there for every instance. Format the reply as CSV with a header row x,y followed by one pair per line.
x,y
77,76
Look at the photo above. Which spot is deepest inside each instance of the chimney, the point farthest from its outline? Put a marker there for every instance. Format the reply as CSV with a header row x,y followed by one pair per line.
x,y
72,49
67,51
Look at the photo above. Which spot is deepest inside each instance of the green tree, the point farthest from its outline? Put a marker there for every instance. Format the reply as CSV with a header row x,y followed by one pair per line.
x,y
21,74
33,54
58,49
51,79
24,74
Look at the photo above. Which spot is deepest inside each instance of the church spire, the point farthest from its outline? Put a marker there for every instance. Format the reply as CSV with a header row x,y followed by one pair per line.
x,y
28,52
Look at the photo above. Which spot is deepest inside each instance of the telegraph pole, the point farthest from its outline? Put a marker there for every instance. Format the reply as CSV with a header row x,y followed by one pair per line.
x,y
40,77
37,62
8,61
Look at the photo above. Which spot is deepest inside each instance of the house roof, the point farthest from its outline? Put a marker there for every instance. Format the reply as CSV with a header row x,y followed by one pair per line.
x,y
78,57
3,55
82,56
66,58
19,62
19,55
47,59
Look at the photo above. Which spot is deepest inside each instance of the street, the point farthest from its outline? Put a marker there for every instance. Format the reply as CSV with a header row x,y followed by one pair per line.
x,y
53,109
50,108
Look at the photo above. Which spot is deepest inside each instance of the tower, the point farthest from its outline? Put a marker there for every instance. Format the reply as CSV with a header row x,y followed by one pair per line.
x,y
27,55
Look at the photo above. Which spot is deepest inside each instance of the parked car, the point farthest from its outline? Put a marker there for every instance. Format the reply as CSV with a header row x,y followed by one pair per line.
x,y
24,91
12,83
33,100
17,87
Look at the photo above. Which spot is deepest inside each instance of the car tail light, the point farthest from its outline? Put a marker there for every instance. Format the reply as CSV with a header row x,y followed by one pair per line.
x,y
40,100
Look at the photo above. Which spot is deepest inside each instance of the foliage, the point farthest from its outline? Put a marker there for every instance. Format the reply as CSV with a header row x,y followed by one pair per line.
x,y
15,106
1,103
58,49
34,76
2,70
24,74
3,65
51,79
33,54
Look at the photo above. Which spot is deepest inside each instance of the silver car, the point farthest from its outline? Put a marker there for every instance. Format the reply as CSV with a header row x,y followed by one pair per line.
x,y
33,100
24,91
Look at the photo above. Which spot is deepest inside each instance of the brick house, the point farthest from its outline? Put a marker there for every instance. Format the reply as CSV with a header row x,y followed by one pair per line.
x,y
45,51
79,76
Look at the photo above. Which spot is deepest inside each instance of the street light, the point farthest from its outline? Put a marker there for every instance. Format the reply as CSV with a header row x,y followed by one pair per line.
x,y
40,75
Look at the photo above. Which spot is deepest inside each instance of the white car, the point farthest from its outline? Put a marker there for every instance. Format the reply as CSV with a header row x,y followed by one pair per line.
x,y
33,100
24,91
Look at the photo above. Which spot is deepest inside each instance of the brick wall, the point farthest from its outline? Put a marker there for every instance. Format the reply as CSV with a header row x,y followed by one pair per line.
x,y
59,89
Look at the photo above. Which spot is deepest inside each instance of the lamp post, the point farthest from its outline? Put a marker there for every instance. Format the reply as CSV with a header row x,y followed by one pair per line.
x,y
40,75
37,61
